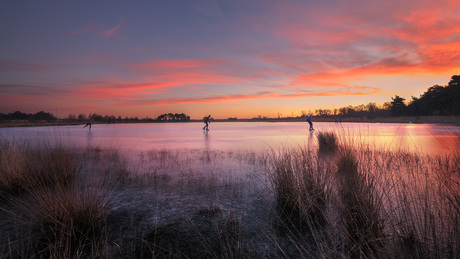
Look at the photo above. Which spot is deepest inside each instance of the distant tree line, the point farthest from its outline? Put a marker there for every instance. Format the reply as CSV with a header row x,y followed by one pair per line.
x,y
170,117
370,110
95,117
173,117
39,116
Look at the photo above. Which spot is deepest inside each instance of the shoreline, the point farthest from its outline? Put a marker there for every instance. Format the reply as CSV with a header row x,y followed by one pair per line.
x,y
450,120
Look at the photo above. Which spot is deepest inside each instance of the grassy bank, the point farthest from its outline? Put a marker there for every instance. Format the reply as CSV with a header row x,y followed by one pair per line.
x,y
332,202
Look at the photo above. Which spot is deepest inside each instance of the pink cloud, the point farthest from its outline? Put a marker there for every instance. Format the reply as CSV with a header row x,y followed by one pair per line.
x,y
347,37
112,32
191,72
118,90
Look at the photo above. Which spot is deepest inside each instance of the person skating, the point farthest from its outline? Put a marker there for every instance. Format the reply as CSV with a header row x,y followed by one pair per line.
x,y
309,122
88,124
206,121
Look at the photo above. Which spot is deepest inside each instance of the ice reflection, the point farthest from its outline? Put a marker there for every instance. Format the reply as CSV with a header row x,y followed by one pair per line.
x,y
420,138
254,136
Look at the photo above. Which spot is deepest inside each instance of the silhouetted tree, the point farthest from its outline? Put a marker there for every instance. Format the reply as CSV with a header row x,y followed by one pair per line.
x,y
17,115
173,117
397,106
442,100
454,81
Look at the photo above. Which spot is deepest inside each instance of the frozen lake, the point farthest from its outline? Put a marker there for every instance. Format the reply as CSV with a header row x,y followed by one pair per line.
x,y
246,136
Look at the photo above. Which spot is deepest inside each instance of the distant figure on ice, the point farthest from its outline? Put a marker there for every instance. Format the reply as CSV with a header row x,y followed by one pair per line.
x,y
309,122
88,124
206,121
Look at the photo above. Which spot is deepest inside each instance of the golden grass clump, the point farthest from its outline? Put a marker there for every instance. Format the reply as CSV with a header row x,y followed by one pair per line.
x,y
43,192
327,142
68,223
24,169
361,226
301,190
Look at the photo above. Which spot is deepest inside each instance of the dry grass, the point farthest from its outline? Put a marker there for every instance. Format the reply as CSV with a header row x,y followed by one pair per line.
x,y
44,193
327,142
301,186
361,225
68,223
24,169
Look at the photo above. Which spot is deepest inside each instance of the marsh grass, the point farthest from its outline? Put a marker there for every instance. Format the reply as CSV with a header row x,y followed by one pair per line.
x,y
68,223
301,189
327,142
59,214
24,169
361,226
379,203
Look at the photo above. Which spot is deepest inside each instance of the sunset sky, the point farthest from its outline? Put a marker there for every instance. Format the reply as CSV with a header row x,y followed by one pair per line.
x,y
224,58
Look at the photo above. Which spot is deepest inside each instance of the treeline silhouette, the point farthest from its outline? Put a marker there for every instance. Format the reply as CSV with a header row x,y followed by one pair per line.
x,y
95,117
437,100
39,116
173,117
169,117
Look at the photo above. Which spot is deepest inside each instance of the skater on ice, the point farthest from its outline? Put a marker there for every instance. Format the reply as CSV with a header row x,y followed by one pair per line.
x,y
309,122
206,121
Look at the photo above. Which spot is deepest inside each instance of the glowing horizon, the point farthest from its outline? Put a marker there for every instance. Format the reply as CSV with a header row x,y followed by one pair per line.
x,y
228,59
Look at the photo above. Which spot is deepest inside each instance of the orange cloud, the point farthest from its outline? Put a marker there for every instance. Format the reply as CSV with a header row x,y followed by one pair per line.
x,y
327,46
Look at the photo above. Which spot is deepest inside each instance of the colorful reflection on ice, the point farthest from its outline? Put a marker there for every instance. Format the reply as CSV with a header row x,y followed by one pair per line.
x,y
255,136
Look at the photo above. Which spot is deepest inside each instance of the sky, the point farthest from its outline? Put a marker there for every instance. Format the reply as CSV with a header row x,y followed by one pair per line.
x,y
226,58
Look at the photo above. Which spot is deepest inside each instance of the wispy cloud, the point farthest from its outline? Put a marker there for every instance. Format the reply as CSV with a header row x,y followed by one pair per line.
x,y
112,32
97,29
356,90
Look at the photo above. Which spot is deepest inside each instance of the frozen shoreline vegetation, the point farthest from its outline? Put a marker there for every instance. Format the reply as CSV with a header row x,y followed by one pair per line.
x,y
330,201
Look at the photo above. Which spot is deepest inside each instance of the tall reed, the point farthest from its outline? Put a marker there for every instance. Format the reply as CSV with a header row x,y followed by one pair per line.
x,y
301,190
68,223
44,192
25,169
359,210
327,142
